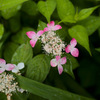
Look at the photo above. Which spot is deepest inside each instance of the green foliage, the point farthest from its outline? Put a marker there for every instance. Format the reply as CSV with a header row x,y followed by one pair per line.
x,y
80,75
9,51
6,4
8,13
65,10
38,67
30,8
22,54
80,34
84,13
46,91
1,30
92,23
46,8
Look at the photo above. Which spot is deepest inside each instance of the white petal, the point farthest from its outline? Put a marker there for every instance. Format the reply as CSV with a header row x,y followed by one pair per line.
x,y
20,65
15,70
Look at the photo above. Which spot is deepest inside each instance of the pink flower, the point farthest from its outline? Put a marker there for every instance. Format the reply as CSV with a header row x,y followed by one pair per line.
x,y
52,27
34,37
58,62
4,66
71,48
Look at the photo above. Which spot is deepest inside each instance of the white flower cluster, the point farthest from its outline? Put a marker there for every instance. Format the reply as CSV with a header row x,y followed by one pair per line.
x,y
8,84
52,43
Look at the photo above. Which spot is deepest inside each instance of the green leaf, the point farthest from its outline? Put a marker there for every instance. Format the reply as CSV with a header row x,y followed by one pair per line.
x,y
9,50
5,4
46,8
92,23
80,34
72,60
1,30
65,9
84,13
38,67
3,96
69,19
8,13
19,96
46,91
30,8
21,36
97,49
41,25
22,54
14,23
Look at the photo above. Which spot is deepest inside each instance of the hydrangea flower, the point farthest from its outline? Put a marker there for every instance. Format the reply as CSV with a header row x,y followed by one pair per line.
x,y
52,27
18,67
4,66
34,37
58,61
71,48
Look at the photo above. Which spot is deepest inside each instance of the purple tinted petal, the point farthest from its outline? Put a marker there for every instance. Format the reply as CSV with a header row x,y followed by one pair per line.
x,y
60,69
9,67
63,60
68,49
30,34
57,58
33,42
40,33
75,52
2,62
73,42
57,27
53,63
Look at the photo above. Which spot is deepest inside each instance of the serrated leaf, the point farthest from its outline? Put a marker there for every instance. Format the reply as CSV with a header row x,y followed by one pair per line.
x,y
65,8
9,50
22,54
46,91
84,13
38,67
1,30
8,13
80,34
6,4
46,8
30,7
92,23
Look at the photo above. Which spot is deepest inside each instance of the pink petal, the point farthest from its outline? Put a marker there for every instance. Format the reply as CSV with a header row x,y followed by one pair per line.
x,y
75,52
57,27
33,42
2,70
57,58
67,49
30,34
2,61
60,69
52,23
40,33
53,63
63,60
10,67
73,42
46,29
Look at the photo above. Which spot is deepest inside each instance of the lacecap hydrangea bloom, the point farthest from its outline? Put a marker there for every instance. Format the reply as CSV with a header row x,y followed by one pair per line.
x,y
52,44
8,84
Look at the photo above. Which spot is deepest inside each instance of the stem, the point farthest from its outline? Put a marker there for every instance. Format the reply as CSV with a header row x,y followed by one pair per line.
x,y
8,97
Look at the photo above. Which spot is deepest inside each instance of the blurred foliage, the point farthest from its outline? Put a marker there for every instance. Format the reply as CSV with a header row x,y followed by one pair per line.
x,y
79,19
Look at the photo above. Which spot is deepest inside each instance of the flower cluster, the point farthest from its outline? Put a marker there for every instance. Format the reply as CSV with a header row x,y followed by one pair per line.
x,y
7,81
8,84
52,44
